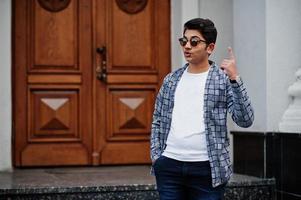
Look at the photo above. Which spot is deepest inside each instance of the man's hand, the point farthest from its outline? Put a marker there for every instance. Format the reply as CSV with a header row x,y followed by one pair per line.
x,y
229,65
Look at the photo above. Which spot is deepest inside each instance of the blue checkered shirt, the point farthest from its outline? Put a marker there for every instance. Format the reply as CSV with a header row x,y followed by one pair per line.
x,y
220,97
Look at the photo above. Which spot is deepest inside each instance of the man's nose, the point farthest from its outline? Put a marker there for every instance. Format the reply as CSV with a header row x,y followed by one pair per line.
x,y
187,45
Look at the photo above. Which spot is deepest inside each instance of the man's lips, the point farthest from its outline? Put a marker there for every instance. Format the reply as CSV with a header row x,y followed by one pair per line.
x,y
187,54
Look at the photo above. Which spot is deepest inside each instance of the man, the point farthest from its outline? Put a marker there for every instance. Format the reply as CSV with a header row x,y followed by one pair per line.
x,y
189,143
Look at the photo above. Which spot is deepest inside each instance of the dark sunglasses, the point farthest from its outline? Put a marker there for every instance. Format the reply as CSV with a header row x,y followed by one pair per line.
x,y
194,41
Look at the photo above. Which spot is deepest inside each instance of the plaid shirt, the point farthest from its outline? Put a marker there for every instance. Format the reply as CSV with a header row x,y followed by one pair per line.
x,y
220,97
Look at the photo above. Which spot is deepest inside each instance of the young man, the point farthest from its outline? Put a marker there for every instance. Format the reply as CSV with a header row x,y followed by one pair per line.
x,y
189,143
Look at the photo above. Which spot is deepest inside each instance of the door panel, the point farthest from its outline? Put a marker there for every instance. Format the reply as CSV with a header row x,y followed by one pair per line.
x,y
54,37
128,35
52,84
74,104
53,114
128,112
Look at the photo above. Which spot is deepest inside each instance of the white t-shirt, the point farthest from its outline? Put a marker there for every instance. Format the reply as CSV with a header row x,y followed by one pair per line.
x,y
186,140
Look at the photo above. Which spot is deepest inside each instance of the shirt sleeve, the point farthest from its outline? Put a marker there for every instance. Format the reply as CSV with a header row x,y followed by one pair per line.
x,y
156,137
239,104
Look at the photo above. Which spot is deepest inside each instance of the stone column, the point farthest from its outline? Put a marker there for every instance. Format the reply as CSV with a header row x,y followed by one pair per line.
x,y
291,119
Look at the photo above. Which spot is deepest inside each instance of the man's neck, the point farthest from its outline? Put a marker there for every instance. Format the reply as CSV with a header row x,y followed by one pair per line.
x,y
198,68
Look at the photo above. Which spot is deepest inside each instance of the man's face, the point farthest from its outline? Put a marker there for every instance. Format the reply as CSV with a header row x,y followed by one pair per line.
x,y
196,50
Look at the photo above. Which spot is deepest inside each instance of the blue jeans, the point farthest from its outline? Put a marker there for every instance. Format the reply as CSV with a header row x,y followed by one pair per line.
x,y
177,180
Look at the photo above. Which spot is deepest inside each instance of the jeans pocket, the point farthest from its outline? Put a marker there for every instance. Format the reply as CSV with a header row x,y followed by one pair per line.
x,y
157,161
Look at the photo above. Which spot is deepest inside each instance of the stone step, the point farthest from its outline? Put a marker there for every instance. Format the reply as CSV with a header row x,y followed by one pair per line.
x,y
110,183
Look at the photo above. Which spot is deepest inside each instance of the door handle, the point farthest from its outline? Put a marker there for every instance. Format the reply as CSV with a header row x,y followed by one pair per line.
x,y
101,69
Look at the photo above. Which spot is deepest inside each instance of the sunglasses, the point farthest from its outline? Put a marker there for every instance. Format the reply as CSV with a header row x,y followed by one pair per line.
x,y
194,41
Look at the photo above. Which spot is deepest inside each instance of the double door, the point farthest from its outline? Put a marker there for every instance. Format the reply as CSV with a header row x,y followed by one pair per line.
x,y
85,76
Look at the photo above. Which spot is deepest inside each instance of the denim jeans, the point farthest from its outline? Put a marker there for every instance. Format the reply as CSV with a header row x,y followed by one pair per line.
x,y
177,180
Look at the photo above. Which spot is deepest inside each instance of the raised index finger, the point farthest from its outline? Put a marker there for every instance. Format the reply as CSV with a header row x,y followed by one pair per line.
x,y
231,54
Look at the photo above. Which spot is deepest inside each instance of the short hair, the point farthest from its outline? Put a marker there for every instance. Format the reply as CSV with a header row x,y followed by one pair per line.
x,y
204,26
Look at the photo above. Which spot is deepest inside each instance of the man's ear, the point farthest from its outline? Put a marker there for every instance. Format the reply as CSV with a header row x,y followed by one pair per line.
x,y
210,48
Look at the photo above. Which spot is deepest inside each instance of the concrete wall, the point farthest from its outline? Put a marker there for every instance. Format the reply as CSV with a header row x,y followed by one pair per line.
x,y
221,13
5,86
250,49
283,57
267,43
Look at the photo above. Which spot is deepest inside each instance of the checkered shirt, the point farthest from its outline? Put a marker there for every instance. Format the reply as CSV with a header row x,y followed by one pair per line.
x,y
220,97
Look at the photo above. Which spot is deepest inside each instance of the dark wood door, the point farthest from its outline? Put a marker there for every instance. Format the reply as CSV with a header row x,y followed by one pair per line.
x,y
74,104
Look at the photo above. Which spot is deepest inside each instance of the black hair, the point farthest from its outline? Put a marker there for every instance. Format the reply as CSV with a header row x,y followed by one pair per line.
x,y
204,26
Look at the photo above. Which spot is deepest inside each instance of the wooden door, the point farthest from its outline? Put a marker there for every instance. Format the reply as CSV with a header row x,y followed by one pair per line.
x,y
136,37
85,74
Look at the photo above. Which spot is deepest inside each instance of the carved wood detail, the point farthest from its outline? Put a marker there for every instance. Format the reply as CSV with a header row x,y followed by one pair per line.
x,y
131,106
54,5
57,117
130,112
53,115
131,6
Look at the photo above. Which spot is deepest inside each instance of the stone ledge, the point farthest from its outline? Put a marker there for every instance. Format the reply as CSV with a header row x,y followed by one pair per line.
x,y
127,182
